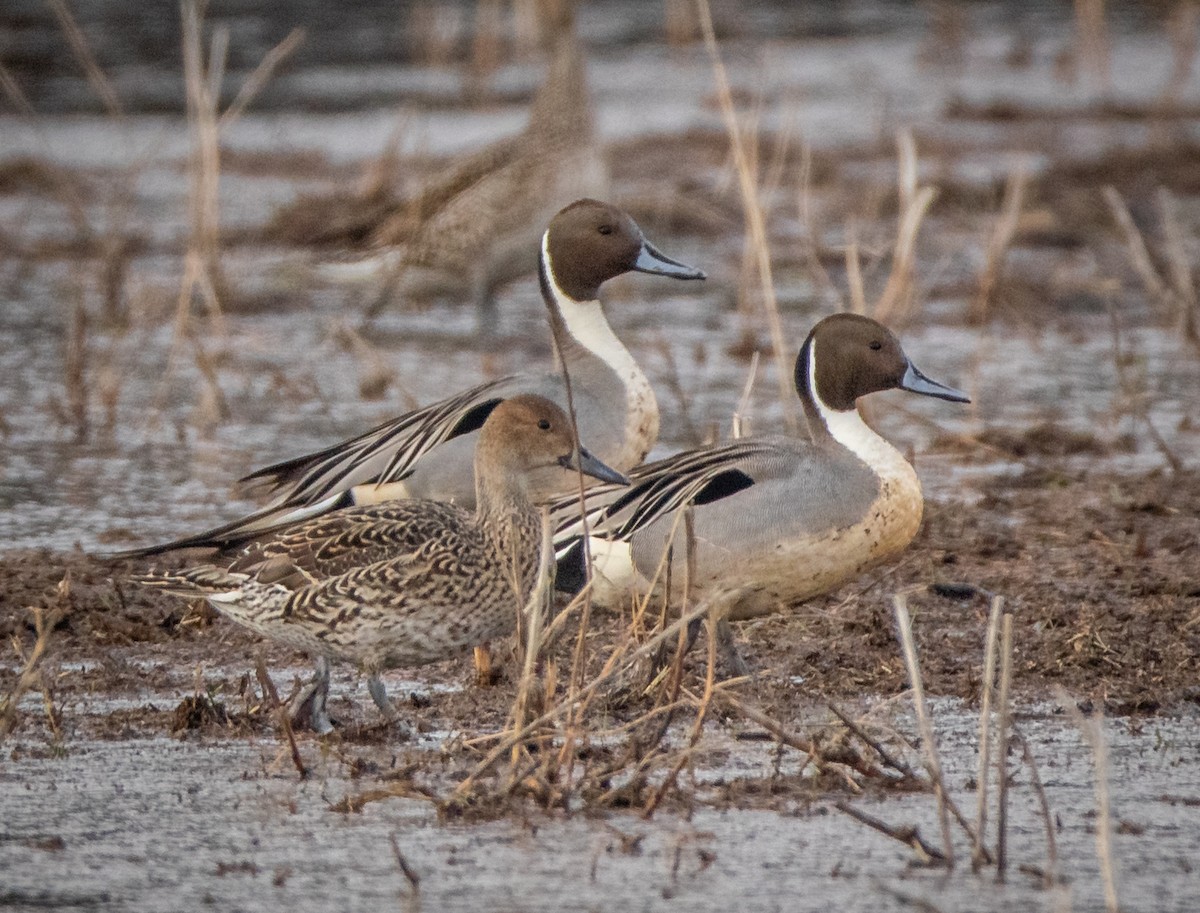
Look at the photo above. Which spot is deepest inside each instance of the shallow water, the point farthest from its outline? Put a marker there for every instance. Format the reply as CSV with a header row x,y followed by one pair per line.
x,y
152,824
840,76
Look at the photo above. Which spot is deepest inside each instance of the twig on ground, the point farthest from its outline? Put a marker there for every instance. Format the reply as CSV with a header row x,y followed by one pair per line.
x,y
1005,724
1050,873
909,836
1093,733
932,762
281,715
985,716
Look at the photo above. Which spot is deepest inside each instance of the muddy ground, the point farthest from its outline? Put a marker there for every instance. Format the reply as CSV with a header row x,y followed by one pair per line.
x,y
1100,572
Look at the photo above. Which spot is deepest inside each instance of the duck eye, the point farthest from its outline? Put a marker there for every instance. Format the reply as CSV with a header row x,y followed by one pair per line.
x,y
544,424
876,344
606,229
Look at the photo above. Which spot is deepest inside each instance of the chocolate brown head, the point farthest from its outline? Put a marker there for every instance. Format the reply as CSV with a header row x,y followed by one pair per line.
x,y
590,242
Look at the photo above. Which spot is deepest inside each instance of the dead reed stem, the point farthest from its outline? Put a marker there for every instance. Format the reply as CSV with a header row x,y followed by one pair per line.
x,y
1005,726
281,715
203,83
1093,45
1092,729
611,668
854,276
1051,874
533,616
980,309
898,300
1176,292
83,53
43,623
752,209
1139,256
985,716
1179,268
739,426
933,763
260,76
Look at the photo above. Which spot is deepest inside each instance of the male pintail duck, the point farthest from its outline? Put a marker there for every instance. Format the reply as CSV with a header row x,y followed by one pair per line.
x,y
777,519
407,582
428,453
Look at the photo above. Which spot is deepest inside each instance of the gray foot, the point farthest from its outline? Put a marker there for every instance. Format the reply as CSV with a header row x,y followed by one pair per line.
x,y
308,707
379,696
728,653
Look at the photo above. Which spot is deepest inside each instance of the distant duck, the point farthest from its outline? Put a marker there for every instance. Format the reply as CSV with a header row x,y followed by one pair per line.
x,y
472,228
408,582
777,519
429,453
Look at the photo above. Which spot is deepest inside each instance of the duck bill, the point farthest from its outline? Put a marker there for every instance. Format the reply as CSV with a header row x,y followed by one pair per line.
x,y
584,462
652,260
916,382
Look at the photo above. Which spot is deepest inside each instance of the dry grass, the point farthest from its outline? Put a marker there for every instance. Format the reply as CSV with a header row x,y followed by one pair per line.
x,y
898,301
1092,729
1172,289
980,309
32,674
754,214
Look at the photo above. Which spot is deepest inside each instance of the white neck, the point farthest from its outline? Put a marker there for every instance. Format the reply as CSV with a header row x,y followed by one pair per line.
x,y
849,430
587,325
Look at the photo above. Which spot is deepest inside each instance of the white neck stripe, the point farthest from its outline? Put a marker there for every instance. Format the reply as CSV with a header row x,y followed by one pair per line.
x,y
848,428
587,325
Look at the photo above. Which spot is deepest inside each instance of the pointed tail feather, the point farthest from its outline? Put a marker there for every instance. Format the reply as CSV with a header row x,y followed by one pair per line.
x,y
233,535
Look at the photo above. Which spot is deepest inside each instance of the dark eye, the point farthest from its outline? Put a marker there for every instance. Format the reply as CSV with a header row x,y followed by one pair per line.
x,y
606,229
544,424
876,344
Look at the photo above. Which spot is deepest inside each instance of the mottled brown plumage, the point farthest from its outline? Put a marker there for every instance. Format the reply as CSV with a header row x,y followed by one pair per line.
x,y
407,582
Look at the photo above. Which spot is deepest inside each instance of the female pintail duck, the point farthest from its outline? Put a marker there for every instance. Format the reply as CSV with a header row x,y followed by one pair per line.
x,y
476,222
428,453
407,582
776,519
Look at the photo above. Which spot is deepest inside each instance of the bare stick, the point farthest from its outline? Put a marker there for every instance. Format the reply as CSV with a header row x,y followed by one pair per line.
x,y
1051,873
281,715
410,874
985,717
1093,733
755,221
932,763
998,245
1138,255
1002,749
261,76
876,745
909,836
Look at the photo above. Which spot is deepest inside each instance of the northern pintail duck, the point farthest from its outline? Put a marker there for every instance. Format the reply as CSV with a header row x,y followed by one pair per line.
x,y
777,519
428,453
408,582
469,231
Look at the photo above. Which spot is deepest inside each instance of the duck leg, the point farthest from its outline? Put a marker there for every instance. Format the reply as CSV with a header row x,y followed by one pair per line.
x,y
730,656
378,692
308,707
